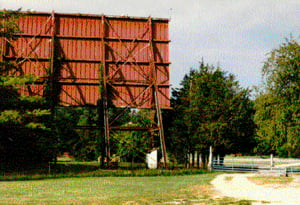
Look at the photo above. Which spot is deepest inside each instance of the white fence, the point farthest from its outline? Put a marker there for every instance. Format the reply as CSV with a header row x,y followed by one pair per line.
x,y
249,164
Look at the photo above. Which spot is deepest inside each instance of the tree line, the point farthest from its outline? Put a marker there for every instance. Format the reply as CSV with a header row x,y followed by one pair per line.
x,y
209,108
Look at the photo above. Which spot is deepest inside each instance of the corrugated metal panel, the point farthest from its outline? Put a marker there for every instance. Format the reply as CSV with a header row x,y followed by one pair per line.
x,y
70,26
35,25
163,95
129,72
36,68
26,47
80,49
133,96
79,95
32,90
161,31
127,29
80,72
163,75
161,52
2,43
130,52
79,54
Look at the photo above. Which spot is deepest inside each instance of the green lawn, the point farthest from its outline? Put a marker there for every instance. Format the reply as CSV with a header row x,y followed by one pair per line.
x,y
112,190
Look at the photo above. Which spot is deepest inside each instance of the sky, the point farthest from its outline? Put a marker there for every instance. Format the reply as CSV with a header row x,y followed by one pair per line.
x,y
235,35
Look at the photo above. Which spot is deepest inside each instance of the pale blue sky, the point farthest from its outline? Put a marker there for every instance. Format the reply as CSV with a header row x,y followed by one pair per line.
x,y
235,34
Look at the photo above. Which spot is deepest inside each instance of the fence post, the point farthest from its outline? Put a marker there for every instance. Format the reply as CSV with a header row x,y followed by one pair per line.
x,y
272,161
210,158
49,168
286,172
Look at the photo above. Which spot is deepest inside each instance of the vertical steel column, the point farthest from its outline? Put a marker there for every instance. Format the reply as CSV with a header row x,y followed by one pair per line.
x,y
155,95
4,46
3,52
52,61
104,94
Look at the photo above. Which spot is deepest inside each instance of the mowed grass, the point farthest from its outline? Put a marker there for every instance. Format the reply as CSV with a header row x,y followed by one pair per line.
x,y
112,190
103,190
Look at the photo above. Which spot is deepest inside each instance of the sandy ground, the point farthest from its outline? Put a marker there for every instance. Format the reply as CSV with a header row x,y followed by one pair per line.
x,y
241,188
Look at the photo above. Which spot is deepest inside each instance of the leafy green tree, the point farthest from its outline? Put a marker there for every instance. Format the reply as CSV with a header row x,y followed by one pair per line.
x,y
77,131
278,105
213,111
133,146
25,135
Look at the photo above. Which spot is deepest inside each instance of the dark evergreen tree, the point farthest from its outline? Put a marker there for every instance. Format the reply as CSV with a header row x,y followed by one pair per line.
x,y
25,135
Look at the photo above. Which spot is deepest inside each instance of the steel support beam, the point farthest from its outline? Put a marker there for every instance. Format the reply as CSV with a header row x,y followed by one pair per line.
x,y
104,94
155,95
52,62
89,61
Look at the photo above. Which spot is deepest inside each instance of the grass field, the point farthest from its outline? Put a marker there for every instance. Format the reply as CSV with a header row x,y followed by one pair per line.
x,y
113,190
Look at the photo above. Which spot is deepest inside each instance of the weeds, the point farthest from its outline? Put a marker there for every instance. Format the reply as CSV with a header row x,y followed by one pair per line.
x,y
262,180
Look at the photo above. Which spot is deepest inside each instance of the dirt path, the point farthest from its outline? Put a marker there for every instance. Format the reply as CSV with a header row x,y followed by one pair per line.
x,y
238,186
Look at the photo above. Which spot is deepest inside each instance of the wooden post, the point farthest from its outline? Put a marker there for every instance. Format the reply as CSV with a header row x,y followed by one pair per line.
x,y
210,159
198,159
193,159
271,160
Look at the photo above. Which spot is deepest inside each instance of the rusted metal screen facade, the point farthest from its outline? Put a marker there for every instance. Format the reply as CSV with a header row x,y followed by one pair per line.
x,y
78,52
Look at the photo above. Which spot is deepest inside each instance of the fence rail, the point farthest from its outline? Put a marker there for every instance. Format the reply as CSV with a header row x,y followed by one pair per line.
x,y
276,165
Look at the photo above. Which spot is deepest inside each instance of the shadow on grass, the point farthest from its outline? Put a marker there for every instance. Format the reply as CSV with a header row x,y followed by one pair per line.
x,y
62,168
45,171
87,169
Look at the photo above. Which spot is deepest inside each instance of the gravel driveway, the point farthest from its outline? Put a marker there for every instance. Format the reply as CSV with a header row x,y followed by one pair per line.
x,y
238,186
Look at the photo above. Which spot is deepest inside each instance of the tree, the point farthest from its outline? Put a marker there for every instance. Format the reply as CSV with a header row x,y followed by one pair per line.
x,y
133,145
278,105
25,135
213,111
